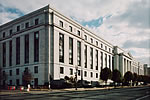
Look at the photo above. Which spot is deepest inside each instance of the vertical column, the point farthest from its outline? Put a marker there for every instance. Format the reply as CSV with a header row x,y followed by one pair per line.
x,y
7,53
124,60
0,56
22,50
82,59
66,49
88,57
127,65
31,47
99,61
94,59
13,51
116,62
111,62
75,52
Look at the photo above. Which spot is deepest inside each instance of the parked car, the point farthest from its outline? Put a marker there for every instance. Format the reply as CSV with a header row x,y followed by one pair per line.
x,y
60,84
84,84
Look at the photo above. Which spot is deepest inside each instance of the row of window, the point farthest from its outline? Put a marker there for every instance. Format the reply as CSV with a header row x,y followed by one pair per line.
x,y
101,46
18,72
70,28
79,72
18,82
36,22
85,36
61,50
61,54
26,50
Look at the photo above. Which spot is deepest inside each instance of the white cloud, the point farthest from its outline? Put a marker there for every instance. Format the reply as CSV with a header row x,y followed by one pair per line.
x,y
7,16
84,10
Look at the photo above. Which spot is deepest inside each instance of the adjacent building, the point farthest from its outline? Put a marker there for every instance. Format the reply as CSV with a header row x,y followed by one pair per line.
x,y
146,70
52,45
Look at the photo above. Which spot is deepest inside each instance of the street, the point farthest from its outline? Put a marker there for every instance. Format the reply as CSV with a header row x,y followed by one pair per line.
x,y
138,93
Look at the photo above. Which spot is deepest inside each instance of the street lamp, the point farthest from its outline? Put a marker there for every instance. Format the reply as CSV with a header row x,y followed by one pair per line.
x,y
76,75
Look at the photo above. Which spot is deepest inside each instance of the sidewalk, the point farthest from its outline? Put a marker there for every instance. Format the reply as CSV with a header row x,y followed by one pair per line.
x,y
37,91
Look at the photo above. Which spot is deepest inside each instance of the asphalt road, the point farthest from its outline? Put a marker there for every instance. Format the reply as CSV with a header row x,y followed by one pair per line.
x,y
138,93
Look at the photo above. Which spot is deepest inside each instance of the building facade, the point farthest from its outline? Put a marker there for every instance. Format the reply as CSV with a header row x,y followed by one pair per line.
x,y
146,70
124,61
52,45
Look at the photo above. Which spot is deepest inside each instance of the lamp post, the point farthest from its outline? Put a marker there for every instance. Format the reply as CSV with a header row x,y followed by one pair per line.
x,y
76,77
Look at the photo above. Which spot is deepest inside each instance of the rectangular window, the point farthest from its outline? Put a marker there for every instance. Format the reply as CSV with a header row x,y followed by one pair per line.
x,y
17,50
36,46
4,54
105,60
85,37
127,66
10,72
17,71
124,65
71,71
35,69
4,82
36,82
101,45
91,57
96,43
10,32
79,53
70,50
91,74
96,75
3,73
78,32
26,69
101,60
130,66
61,47
112,63
26,46
105,47
79,72
10,53
17,82
36,21
85,56
85,73
3,34
61,24
96,59
91,40
10,82
18,28
27,25
70,28
109,50
61,70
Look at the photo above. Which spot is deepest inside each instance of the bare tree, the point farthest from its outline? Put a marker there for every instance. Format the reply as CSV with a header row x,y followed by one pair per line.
x,y
27,77
3,76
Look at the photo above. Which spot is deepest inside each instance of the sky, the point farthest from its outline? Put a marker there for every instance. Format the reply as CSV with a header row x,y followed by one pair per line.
x,y
125,23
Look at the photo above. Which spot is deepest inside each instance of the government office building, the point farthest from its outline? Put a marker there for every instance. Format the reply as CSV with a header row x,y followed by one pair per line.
x,y
52,45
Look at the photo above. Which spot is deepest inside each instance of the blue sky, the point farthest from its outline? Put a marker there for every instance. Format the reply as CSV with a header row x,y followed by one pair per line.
x,y
121,22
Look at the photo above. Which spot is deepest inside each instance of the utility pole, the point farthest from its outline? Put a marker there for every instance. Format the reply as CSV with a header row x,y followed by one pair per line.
x,y
76,77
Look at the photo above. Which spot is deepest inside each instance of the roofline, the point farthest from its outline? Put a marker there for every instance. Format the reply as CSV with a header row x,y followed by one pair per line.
x,y
79,24
19,18
53,9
